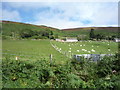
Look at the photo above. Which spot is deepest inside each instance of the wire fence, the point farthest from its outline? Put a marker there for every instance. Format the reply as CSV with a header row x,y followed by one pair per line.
x,y
68,54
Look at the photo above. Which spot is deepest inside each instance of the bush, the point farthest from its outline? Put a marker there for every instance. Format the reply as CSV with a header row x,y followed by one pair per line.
x,y
73,74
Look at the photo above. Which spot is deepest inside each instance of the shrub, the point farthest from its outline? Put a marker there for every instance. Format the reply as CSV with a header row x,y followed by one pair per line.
x,y
73,74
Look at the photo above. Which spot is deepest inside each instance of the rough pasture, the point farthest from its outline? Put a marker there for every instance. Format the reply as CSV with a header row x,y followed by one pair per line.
x,y
22,72
86,47
31,50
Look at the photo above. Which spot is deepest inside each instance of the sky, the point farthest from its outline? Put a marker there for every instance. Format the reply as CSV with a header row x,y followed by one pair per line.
x,y
62,15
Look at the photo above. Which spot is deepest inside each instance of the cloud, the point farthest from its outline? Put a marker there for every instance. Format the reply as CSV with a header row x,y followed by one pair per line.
x,y
60,0
65,14
72,15
59,23
11,15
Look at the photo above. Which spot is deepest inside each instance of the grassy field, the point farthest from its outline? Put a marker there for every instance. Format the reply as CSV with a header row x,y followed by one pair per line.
x,y
86,47
31,50
33,69
41,49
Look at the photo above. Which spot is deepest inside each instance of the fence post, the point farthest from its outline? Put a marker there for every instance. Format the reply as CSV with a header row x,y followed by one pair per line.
x,y
16,58
50,59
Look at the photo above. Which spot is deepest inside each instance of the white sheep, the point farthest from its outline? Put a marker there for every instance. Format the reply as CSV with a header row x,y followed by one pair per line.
x,y
78,50
69,51
108,49
93,50
80,45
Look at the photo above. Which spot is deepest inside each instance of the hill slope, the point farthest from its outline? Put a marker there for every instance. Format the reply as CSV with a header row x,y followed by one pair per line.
x,y
8,27
108,31
112,29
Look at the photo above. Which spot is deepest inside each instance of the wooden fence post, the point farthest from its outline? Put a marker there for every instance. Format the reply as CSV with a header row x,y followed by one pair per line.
x,y
50,59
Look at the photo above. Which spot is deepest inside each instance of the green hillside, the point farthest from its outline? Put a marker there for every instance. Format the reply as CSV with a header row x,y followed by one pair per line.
x,y
108,31
10,28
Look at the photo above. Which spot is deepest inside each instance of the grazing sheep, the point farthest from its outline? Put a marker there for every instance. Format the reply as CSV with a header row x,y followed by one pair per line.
x,y
93,50
69,51
109,50
80,45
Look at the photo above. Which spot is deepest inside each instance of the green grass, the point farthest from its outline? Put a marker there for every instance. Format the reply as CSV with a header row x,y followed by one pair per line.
x,y
41,49
32,50
99,47
86,32
33,70
9,27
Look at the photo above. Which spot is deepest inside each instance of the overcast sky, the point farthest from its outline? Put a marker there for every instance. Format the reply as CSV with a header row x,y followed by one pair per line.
x,y
62,14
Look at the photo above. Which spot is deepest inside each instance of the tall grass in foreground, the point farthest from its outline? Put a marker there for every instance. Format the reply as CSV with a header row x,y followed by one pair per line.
x,y
104,74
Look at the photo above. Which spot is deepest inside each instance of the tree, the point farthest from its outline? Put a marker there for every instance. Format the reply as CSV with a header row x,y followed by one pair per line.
x,y
113,37
98,36
51,33
26,33
45,33
92,35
